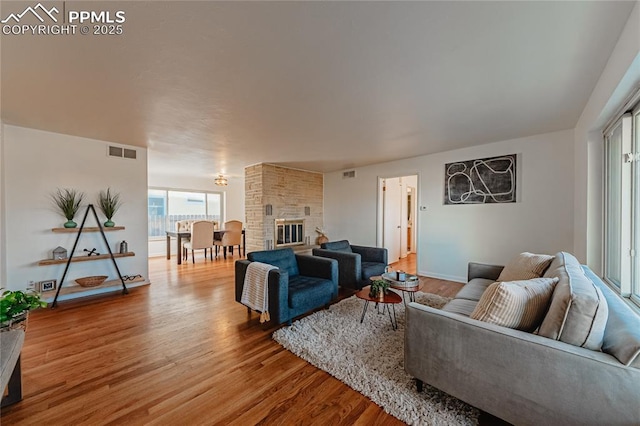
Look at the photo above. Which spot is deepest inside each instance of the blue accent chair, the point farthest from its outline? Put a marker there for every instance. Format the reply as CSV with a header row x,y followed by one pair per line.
x,y
299,285
356,264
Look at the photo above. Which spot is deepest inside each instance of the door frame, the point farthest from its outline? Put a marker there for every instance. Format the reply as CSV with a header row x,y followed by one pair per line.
x,y
380,211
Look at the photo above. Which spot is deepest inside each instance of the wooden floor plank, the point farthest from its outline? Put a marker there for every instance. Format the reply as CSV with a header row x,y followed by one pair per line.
x,y
180,351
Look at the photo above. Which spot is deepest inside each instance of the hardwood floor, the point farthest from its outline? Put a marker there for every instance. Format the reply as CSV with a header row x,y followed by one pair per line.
x,y
180,351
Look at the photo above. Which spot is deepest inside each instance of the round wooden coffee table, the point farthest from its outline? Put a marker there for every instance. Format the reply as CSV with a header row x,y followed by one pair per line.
x,y
391,298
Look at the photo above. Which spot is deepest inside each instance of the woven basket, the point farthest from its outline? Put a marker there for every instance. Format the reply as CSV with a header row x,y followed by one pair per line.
x,y
91,281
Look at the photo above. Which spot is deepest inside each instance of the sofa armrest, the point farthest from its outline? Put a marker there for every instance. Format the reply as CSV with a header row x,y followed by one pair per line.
x,y
483,270
349,266
371,254
520,377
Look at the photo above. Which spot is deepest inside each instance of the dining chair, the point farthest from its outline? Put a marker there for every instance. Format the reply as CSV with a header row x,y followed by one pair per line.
x,y
201,238
184,226
231,237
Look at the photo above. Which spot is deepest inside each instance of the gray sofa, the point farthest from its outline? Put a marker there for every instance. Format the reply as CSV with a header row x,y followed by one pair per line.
x,y
521,377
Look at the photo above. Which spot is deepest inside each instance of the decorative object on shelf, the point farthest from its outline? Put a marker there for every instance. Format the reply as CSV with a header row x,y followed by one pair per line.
x,y
322,238
221,180
59,253
124,247
68,201
92,252
15,307
379,288
93,281
131,277
481,181
109,204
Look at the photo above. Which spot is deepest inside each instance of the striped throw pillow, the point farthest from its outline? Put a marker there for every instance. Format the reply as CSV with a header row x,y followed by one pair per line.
x,y
521,305
525,266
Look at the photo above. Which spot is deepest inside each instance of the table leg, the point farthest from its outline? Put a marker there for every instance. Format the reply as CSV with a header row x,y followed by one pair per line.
x,y
394,320
179,249
391,319
364,310
168,247
244,244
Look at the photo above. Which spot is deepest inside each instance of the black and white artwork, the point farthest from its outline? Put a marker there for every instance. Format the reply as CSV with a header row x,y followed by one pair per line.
x,y
487,180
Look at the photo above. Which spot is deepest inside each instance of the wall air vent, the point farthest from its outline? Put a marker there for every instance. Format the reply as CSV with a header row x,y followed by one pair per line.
x,y
349,175
116,151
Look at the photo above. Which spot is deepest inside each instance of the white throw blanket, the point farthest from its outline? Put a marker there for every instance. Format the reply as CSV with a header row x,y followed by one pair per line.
x,y
255,291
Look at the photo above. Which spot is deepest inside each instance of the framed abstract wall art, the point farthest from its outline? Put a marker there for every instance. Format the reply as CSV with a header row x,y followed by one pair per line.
x,y
482,181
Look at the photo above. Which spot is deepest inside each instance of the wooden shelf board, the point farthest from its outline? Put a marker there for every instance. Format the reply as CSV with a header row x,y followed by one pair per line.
x,y
75,288
88,229
83,258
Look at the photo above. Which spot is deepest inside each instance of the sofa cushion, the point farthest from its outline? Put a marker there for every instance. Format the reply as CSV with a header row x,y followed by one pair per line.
x,y
622,335
460,306
516,304
342,246
578,312
525,266
285,259
473,289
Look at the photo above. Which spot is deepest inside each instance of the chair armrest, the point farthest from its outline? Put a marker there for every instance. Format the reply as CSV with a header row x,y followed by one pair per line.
x,y
483,270
278,290
349,266
371,254
241,271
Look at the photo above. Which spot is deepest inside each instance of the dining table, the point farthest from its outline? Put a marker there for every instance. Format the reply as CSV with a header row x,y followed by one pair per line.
x,y
217,235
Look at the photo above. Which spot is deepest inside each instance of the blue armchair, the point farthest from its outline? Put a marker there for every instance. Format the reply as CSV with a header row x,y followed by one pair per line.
x,y
356,264
299,285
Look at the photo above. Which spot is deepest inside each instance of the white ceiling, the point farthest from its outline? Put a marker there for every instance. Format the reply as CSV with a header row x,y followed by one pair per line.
x,y
213,87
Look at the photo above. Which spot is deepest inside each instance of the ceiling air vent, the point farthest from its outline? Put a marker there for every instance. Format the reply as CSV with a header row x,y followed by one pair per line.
x,y
116,151
349,175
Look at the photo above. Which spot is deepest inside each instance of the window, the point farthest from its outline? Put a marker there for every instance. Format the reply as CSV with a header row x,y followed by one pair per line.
x,y
166,207
622,205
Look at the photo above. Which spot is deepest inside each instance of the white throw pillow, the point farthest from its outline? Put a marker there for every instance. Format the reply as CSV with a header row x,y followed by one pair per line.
x,y
521,305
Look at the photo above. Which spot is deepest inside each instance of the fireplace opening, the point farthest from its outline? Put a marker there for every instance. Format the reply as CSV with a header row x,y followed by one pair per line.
x,y
289,232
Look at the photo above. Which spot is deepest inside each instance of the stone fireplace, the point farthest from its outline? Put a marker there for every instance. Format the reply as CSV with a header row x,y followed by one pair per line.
x,y
283,207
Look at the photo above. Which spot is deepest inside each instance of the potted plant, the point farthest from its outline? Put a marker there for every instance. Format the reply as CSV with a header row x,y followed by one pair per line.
x,y
15,307
379,288
68,201
109,204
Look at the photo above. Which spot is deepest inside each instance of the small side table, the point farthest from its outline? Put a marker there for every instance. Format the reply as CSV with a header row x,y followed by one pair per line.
x,y
408,287
391,298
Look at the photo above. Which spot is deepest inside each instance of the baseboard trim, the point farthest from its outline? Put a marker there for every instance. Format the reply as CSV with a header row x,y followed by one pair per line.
x,y
457,279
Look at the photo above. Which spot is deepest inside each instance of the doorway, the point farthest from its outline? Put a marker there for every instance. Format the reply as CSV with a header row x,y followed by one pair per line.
x,y
397,214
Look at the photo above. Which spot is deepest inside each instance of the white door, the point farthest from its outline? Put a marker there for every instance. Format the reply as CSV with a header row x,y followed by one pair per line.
x,y
392,218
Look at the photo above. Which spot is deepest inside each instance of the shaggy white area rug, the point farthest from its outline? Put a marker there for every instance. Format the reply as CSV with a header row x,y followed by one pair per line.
x,y
369,357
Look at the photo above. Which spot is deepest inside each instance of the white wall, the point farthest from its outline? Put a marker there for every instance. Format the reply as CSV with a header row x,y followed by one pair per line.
x,y
619,78
233,199
451,236
3,242
36,163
